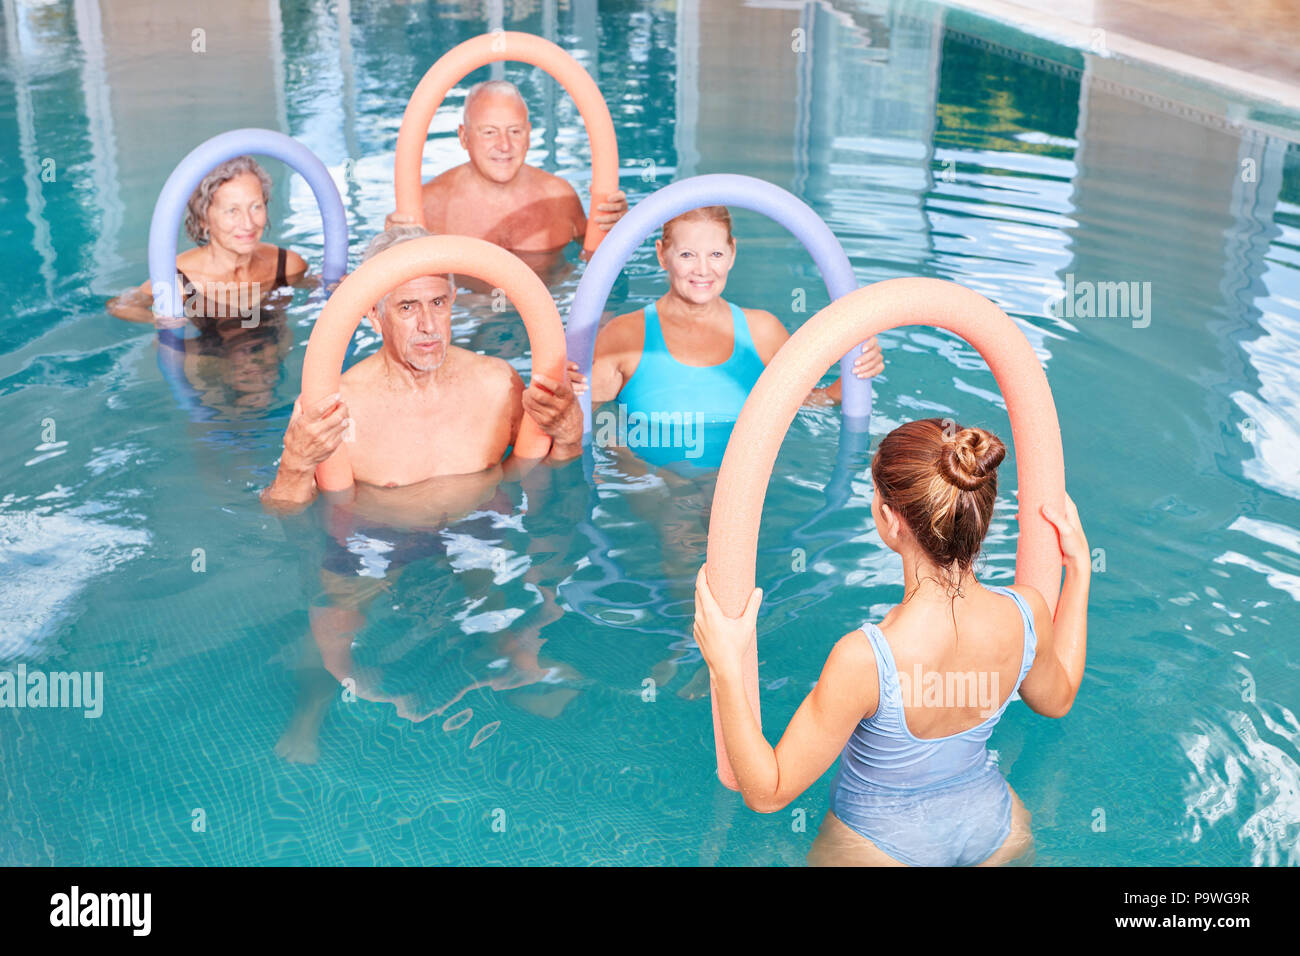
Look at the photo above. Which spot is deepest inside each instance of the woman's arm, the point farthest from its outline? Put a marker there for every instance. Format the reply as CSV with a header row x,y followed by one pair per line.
x,y
1053,681
134,305
847,691
617,354
295,267
769,335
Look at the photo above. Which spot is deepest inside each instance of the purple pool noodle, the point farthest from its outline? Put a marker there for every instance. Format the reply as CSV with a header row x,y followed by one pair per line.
x,y
189,172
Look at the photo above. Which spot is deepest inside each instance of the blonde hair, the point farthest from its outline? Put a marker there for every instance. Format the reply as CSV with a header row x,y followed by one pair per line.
x,y
702,214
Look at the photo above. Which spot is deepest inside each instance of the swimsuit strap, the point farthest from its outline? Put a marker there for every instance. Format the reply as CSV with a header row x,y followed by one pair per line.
x,y
742,342
890,694
887,667
654,334
281,259
1031,634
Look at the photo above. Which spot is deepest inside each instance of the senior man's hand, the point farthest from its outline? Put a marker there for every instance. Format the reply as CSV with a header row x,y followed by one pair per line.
x,y
608,213
396,218
555,408
313,435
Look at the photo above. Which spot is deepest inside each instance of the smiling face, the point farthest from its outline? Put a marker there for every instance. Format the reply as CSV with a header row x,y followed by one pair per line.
x,y
236,216
495,134
697,259
416,322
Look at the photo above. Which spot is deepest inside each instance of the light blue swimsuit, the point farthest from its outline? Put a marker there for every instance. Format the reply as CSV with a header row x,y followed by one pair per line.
x,y
941,802
710,396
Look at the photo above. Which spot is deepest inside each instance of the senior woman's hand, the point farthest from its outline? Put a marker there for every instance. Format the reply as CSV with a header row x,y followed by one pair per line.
x,y
871,362
577,381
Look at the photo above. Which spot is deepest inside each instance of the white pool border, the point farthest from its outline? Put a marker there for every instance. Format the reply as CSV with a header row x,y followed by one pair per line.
x,y
1073,33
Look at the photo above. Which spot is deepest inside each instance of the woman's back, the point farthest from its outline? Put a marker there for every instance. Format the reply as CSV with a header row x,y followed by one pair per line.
x,y
916,777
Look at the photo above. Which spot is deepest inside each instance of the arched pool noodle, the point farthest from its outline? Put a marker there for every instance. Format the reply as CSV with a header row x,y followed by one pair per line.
x,y
463,59
751,453
715,189
430,255
189,172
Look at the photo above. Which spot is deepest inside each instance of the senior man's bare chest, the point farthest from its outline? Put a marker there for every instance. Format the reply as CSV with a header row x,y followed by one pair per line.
x,y
403,440
528,220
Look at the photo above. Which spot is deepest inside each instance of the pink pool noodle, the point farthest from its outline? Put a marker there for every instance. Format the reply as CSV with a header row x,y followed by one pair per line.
x,y
430,255
796,368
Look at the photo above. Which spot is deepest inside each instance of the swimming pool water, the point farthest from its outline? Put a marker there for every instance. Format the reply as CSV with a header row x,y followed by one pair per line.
x,y
933,144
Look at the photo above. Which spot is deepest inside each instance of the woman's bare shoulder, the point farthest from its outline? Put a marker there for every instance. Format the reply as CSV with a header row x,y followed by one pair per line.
x,y
623,330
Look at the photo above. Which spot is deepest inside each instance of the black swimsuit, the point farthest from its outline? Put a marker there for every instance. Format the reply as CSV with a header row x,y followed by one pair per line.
x,y
188,288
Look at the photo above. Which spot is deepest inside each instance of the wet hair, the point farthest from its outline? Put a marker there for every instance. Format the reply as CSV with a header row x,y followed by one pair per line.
x,y
942,480
196,211
489,87
703,214
395,236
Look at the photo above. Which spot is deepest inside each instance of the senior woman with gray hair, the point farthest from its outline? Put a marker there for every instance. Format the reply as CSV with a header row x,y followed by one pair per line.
x,y
226,218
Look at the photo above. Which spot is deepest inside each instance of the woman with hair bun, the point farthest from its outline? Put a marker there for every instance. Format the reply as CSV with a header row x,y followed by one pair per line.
x,y
909,704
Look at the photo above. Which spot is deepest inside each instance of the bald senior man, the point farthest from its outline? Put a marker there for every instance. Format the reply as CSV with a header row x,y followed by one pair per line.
x,y
497,196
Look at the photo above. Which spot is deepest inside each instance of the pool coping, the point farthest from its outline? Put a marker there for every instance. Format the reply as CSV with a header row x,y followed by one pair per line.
x,y
1082,36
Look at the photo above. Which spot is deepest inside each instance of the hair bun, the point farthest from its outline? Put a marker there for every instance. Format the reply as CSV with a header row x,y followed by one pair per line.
x,y
970,459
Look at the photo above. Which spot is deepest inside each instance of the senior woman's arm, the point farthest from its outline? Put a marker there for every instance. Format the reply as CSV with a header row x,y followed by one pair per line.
x,y
134,305
769,335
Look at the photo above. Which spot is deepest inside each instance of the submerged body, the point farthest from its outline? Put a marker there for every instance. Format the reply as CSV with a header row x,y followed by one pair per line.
x,y
230,271
427,426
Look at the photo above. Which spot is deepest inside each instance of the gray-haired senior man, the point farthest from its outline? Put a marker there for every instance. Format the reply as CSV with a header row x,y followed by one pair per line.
x,y
497,196
421,408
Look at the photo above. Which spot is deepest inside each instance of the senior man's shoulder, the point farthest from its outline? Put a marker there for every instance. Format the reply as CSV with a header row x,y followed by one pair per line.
x,y
546,184
362,373
493,383
485,371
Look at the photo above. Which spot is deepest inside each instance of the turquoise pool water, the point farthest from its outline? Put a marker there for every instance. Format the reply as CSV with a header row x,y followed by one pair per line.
x,y
933,144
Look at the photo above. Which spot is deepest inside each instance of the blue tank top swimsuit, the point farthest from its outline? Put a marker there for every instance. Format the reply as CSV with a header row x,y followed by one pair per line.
x,y
940,802
669,412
